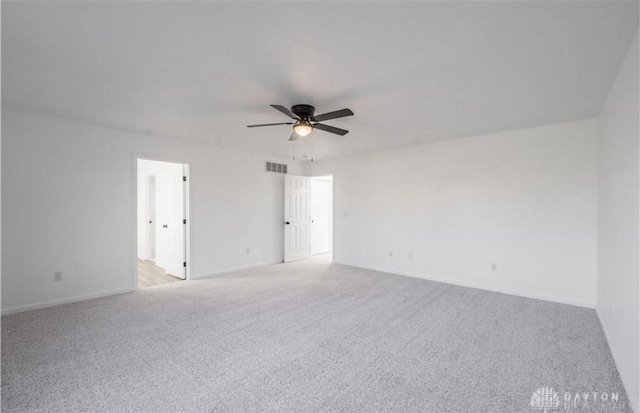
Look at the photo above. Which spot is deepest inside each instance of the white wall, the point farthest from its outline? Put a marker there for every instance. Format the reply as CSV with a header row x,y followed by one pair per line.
x,y
525,200
619,231
69,205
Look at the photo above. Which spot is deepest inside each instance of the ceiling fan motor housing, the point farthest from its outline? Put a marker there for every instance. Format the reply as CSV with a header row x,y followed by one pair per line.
x,y
304,111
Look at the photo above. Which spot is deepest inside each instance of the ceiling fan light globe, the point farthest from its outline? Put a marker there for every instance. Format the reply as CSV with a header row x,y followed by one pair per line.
x,y
303,129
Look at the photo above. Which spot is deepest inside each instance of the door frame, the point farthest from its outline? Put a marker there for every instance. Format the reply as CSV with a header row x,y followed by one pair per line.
x,y
187,211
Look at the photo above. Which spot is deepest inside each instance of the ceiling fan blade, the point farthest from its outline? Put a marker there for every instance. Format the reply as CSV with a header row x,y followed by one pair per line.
x,y
269,124
286,111
294,137
333,115
331,129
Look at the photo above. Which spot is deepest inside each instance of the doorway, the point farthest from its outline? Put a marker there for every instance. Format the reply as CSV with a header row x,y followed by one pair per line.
x,y
321,214
308,213
162,206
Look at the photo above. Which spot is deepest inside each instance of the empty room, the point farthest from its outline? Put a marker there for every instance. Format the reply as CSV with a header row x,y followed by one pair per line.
x,y
426,206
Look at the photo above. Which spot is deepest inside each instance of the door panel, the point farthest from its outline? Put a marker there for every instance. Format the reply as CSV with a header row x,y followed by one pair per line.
x,y
162,254
170,213
297,218
151,215
176,226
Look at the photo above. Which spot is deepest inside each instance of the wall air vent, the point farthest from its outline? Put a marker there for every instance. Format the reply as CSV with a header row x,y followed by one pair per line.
x,y
276,167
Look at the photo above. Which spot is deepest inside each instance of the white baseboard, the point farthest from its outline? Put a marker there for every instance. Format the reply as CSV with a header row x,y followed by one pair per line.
x,y
635,404
52,303
553,299
234,269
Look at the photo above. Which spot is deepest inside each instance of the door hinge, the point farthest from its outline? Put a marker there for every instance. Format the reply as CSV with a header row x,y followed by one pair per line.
x,y
184,179
184,264
184,221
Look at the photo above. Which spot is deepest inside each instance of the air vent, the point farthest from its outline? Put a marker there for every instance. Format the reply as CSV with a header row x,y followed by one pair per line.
x,y
276,167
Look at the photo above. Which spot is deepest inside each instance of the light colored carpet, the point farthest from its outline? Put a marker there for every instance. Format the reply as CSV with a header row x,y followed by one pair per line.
x,y
306,337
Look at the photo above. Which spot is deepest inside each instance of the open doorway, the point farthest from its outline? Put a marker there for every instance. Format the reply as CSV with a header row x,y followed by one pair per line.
x,y
162,205
321,215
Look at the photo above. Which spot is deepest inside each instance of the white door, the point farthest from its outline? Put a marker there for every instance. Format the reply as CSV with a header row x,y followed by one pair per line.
x,y
320,216
297,220
151,217
170,216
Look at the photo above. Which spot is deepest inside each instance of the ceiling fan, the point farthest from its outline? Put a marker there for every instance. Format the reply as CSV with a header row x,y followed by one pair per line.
x,y
306,121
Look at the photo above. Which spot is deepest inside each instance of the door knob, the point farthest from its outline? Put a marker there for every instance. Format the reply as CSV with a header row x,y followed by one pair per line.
x,y
165,226
287,223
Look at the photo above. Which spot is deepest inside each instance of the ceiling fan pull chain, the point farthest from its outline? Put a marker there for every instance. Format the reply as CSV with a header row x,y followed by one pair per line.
x,y
312,149
294,150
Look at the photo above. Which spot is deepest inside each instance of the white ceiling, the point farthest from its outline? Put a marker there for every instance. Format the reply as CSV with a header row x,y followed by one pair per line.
x,y
412,72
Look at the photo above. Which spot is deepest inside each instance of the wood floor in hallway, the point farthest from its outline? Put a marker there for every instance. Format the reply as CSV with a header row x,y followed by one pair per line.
x,y
150,274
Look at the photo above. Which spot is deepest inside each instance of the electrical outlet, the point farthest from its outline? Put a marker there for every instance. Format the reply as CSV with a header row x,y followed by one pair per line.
x,y
390,254
494,266
411,255
57,276
248,250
